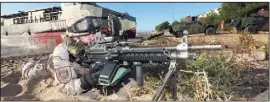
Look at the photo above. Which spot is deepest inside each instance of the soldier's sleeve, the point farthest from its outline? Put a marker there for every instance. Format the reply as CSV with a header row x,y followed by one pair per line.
x,y
63,67
65,72
35,69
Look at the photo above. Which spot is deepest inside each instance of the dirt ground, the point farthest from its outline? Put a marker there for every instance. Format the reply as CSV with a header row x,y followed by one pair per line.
x,y
15,88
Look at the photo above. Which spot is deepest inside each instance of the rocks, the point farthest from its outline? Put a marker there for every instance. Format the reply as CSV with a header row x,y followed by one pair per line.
x,y
243,57
258,55
255,55
263,96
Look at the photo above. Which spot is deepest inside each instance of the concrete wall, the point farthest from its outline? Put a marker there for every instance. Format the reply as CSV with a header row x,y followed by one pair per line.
x,y
15,29
56,25
24,45
33,27
8,21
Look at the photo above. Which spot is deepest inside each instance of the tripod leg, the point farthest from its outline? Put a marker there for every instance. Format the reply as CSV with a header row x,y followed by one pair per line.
x,y
166,79
161,88
174,87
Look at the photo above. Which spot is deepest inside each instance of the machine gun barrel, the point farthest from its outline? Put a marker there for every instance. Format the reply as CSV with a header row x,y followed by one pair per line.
x,y
158,49
160,54
205,47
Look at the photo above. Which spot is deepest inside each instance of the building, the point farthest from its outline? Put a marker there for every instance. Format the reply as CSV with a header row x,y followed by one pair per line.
x,y
205,14
31,16
48,19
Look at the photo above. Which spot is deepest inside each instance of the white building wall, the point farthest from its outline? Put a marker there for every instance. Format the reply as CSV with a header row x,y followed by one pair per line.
x,y
8,21
37,14
2,21
205,14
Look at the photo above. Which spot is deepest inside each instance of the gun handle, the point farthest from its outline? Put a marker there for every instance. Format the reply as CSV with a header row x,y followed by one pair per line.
x,y
139,74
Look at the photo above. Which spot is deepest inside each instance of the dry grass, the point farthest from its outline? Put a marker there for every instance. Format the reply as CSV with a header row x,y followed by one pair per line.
x,y
206,79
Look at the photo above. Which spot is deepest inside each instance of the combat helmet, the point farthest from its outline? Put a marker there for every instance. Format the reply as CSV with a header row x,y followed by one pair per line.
x,y
79,21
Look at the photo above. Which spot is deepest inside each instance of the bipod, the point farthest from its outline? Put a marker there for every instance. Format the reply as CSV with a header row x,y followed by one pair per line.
x,y
171,74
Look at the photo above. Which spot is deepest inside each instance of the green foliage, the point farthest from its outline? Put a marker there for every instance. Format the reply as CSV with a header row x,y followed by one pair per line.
x,y
182,19
212,18
227,11
175,22
176,25
162,26
234,10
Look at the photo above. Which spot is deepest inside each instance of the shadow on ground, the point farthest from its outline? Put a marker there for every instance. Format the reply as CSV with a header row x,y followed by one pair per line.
x,y
253,83
13,91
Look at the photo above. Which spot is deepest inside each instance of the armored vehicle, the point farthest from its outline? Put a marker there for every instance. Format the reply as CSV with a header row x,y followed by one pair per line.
x,y
194,26
252,24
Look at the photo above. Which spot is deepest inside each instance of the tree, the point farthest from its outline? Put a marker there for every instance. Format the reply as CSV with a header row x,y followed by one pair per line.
x,y
162,26
212,18
182,19
175,23
236,9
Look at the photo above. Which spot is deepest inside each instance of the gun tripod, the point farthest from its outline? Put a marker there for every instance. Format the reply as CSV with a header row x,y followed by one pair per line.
x,y
171,74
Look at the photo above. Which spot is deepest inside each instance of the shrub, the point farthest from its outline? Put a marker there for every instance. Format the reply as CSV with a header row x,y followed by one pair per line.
x,y
220,73
162,26
220,76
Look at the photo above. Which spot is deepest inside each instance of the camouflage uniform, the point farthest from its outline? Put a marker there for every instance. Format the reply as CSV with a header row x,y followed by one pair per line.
x,y
59,64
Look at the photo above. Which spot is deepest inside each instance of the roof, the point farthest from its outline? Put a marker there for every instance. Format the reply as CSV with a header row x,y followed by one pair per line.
x,y
25,12
46,8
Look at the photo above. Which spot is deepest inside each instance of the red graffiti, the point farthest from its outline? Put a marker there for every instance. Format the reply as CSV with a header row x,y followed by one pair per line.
x,y
45,36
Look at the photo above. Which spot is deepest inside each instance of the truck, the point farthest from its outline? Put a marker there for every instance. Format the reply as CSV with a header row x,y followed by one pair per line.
x,y
253,23
194,26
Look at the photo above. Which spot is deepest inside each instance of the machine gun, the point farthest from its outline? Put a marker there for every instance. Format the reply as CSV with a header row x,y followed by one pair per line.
x,y
115,56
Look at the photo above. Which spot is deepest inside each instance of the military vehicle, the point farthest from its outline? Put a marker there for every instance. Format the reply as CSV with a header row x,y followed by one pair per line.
x,y
252,24
194,26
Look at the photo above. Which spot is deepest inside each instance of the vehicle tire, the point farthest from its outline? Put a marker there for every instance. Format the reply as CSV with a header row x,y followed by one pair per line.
x,y
171,30
250,29
131,34
178,34
210,30
128,34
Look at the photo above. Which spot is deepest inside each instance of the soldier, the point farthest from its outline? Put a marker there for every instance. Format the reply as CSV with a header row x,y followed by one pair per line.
x,y
64,63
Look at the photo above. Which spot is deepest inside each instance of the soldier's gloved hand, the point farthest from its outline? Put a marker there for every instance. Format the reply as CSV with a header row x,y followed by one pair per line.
x,y
80,57
83,60
90,80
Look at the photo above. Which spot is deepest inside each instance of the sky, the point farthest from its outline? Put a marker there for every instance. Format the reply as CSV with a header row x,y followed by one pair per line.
x,y
148,15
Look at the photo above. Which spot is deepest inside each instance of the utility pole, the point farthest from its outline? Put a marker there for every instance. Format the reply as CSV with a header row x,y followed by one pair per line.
x,y
172,13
